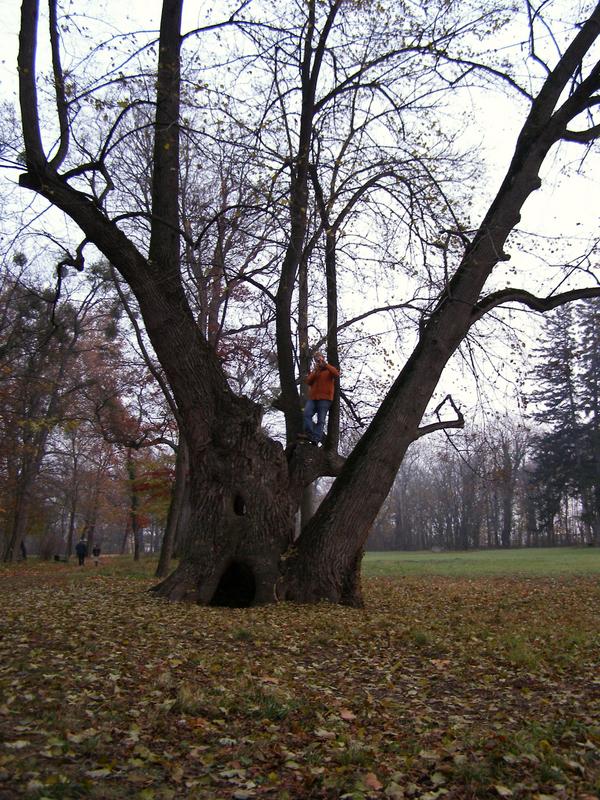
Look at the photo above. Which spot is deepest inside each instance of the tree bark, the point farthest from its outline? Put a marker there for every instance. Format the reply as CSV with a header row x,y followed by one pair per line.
x,y
71,529
20,519
134,502
242,522
126,534
177,499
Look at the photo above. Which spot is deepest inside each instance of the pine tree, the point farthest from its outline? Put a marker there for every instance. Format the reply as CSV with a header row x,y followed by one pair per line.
x,y
555,398
589,440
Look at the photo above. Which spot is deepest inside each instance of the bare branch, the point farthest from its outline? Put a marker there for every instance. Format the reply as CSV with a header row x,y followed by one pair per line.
x,y
156,373
82,169
524,297
477,66
532,15
32,137
244,23
59,86
222,212
583,137
459,422
260,287
364,315
351,406
544,105
77,261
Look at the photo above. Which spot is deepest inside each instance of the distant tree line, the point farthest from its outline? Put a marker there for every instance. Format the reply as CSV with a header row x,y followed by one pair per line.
x,y
89,443
531,483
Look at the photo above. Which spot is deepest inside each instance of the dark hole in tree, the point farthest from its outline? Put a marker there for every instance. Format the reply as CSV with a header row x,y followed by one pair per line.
x,y
239,506
236,588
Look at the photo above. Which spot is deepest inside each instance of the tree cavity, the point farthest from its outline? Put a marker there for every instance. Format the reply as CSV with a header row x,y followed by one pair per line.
x,y
236,588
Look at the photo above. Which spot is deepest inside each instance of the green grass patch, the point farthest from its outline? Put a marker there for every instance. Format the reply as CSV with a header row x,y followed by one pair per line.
x,y
542,561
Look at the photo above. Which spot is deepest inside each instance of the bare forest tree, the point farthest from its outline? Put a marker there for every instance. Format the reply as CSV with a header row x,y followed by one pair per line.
x,y
326,59
466,492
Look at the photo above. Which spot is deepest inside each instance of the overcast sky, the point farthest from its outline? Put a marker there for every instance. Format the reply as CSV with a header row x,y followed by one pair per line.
x,y
564,207
560,203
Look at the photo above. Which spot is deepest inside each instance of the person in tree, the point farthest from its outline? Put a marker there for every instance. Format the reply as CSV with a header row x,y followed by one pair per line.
x,y
81,551
321,389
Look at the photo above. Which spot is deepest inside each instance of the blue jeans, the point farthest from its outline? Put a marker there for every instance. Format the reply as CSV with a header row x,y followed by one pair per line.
x,y
320,408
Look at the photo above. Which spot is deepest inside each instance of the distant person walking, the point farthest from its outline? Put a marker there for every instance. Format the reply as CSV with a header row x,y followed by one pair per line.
x,y
81,550
321,390
96,554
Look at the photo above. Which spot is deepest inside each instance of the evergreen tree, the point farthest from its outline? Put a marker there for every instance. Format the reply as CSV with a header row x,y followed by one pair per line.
x,y
555,397
567,399
589,440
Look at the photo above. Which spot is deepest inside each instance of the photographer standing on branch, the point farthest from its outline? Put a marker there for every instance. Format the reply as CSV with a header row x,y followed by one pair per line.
x,y
321,383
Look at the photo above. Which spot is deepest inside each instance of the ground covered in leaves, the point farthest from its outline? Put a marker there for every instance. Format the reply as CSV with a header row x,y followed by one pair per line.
x,y
441,688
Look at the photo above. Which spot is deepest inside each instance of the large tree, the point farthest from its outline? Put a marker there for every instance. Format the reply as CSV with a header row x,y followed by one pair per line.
x,y
244,486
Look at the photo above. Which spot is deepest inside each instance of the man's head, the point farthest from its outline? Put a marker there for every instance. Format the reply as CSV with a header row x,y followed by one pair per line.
x,y
319,358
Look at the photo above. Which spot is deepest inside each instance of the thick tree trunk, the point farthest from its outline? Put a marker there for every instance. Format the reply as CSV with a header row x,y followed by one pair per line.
x,y
242,519
185,516
307,505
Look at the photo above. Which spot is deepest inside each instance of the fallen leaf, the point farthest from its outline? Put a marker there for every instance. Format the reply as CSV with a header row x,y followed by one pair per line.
x,y
371,781
321,733
394,791
98,773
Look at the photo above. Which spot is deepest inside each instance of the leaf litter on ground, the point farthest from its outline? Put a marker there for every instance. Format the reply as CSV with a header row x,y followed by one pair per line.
x,y
440,688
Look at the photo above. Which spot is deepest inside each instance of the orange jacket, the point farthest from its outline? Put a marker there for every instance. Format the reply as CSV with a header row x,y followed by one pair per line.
x,y
322,382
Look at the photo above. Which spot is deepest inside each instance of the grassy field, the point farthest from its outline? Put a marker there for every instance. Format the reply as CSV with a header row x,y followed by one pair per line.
x,y
467,676
526,561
